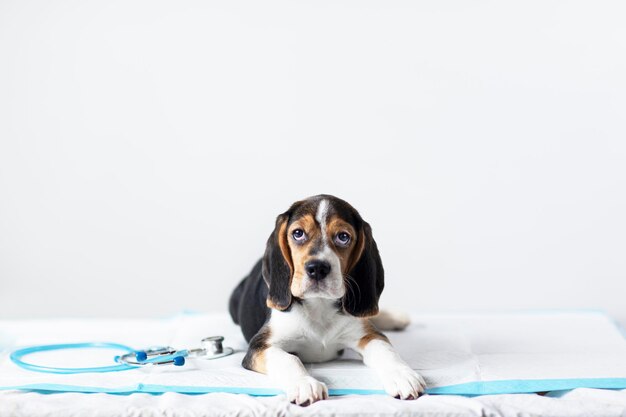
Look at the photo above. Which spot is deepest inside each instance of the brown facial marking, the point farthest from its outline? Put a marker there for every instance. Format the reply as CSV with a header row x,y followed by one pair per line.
x,y
300,252
371,333
345,254
283,244
358,250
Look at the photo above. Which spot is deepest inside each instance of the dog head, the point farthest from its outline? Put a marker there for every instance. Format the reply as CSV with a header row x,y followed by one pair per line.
x,y
322,248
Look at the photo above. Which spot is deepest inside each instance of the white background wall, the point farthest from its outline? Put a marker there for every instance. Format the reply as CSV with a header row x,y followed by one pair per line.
x,y
147,146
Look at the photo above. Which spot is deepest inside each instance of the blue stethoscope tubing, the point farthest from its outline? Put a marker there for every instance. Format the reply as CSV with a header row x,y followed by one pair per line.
x,y
17,356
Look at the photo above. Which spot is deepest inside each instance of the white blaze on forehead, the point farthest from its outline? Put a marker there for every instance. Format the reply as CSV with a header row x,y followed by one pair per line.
x,y
320,216
333,286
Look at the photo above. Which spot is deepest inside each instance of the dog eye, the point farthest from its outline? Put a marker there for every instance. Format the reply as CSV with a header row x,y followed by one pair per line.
x,y
298,235
342,239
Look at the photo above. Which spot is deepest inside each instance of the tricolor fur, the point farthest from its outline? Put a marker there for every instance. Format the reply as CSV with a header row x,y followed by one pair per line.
x,y
315,293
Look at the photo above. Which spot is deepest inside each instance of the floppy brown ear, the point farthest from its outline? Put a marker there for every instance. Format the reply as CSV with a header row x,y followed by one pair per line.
x,y
277,266
368,274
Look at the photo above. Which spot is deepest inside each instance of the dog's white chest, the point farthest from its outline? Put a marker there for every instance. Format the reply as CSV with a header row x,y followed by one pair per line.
x,y
315,351
315,332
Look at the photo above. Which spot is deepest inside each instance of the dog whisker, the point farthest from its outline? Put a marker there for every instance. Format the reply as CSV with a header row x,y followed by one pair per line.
x,y
349,280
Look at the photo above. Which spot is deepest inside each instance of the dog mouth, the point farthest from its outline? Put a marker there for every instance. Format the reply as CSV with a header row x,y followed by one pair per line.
x,y
326,288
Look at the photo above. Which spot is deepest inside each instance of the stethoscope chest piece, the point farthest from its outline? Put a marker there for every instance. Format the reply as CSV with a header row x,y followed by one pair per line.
x,y
212,348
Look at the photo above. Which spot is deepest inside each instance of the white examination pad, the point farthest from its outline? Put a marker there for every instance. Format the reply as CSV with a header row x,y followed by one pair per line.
x,y
467,354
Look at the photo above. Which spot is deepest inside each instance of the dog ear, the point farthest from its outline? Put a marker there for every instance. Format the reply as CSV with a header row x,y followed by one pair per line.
x,y
367,273
278,267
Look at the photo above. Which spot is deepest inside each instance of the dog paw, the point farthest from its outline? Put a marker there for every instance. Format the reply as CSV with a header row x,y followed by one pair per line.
x,y
306,391
403,383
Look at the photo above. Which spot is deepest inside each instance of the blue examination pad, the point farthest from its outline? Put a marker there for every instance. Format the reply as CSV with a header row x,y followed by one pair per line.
x,y
465,354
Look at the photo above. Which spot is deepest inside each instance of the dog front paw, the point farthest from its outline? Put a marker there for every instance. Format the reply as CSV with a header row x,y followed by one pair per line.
x,y
306,391
403,383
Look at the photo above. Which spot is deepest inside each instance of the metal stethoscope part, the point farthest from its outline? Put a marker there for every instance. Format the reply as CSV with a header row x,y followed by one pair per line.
x,y
211,348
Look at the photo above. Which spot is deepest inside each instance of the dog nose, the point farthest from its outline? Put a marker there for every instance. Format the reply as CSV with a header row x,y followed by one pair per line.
x,y
317,269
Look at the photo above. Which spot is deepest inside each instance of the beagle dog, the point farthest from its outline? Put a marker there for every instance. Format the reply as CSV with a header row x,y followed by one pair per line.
x,y
314,293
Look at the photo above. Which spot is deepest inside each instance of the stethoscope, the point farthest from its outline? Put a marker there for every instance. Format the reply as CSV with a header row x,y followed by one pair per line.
x,y
210,348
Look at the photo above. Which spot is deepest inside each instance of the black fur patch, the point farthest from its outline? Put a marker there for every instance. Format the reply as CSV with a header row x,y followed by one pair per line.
x,y
247,303
369,275
275,269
